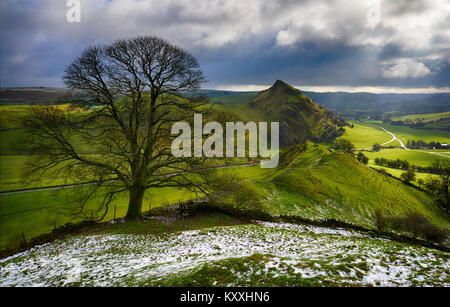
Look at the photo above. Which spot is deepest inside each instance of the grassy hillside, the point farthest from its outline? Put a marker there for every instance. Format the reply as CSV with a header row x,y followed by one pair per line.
x,y
363,135
315,183
397,173
442,124
37,212
415,157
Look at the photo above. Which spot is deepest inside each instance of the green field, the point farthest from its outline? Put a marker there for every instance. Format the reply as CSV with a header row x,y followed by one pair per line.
x,y
441,152
233,99
441,125
10,142
12,175
36,212
365,135
415,157
318,184
405,133
398,172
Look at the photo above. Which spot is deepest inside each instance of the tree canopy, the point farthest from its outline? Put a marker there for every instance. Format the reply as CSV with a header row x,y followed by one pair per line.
x,y
118,136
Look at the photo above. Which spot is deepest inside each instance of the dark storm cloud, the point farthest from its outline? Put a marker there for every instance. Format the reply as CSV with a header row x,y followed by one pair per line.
x,y
243,42
308,64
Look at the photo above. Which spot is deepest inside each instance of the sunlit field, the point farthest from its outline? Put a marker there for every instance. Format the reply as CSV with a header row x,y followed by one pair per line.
x,y
365,135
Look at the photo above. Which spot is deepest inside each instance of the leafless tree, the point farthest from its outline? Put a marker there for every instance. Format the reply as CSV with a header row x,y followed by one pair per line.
x,y
119,138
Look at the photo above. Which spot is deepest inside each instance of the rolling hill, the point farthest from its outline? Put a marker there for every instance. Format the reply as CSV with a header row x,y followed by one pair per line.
x,y
315,183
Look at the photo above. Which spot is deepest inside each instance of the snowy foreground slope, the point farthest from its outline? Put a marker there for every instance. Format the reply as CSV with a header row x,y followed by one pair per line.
x,y
269,254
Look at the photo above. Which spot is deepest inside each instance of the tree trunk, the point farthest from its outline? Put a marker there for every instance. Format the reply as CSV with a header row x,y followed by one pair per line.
x,y
135,203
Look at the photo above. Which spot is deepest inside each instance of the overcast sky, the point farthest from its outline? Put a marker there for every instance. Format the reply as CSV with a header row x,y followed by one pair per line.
x,y
352,45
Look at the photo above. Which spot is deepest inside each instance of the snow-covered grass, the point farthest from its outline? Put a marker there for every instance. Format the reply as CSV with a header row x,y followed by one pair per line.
x,y
244,255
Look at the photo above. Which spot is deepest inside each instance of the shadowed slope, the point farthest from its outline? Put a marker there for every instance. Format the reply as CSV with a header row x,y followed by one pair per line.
x,y
299,116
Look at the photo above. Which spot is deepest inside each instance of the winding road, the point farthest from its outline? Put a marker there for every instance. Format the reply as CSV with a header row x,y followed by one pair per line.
x,y
395,138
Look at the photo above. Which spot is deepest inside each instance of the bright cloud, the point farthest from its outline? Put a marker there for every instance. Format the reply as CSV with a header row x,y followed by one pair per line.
x,y
405,68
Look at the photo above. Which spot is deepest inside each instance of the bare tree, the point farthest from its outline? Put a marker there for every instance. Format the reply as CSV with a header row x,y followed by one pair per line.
x,y
119,138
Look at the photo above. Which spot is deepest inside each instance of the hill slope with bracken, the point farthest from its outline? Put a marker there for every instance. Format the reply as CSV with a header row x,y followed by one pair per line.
x,y
300,117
